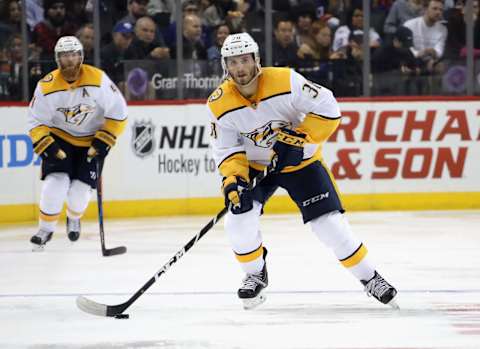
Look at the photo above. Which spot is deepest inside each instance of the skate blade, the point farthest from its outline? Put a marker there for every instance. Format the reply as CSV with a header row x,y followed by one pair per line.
x,y
252,303
393,304
37,248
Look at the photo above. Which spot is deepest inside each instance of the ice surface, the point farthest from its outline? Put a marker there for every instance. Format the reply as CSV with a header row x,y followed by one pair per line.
x,y
433,258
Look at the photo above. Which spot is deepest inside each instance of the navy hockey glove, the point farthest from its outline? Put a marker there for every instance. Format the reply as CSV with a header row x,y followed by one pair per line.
x,y
237,195
47,148
288,148
101,144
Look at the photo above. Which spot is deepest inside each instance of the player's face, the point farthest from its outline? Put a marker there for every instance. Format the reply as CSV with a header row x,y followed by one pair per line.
x,y
242,68
70,64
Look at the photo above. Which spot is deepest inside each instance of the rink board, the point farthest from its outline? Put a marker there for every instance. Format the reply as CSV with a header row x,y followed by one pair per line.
x,y
385,155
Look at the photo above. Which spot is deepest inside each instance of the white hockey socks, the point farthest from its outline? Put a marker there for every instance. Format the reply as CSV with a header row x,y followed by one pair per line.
x,y
243,230
78,198
54,192
334,231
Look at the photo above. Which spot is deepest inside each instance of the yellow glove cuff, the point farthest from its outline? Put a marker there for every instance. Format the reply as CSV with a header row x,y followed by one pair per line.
x,y
43,144
106,137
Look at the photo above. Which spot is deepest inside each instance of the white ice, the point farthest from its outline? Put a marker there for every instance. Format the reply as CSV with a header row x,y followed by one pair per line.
x,y
433,258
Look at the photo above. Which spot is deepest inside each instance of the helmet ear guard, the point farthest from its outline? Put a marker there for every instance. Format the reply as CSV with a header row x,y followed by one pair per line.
x,y
236,45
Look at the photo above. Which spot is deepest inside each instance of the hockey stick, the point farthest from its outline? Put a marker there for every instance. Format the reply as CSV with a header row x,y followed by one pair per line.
x,y
106,252
100,309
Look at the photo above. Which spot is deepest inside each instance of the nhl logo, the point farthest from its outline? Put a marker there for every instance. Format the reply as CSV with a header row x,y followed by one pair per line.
x,y
142,138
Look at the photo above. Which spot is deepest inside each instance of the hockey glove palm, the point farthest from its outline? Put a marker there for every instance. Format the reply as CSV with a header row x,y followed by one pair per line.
x,y
101,144
237,195
288,148
47,148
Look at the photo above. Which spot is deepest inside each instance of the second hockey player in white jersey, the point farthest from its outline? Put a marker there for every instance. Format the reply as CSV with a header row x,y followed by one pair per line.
x,y
258,113
75,115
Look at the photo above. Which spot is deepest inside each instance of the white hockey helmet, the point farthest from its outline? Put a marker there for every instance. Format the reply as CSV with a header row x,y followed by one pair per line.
x,y
68,44
239,44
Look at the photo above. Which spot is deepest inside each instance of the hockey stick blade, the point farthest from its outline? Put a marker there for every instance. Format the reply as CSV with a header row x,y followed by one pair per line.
x,y
114,251
99,309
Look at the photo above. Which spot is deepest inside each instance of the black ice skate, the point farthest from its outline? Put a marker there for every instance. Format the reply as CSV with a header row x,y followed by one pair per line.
x,y
251,290
73,229
379,288
40,239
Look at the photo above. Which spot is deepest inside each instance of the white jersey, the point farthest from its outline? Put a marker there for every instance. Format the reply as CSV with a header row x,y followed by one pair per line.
x,y
75,112
427,37
284,99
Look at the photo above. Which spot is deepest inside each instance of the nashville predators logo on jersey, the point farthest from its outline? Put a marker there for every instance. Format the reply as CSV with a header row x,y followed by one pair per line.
x,y
77,114
264,136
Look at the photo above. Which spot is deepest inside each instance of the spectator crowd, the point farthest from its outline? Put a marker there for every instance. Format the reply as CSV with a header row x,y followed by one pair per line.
x,y
412,41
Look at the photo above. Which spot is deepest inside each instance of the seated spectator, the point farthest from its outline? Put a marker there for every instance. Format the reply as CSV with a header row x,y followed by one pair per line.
x,y
397,55
193,47
86,36
355,23
10,19
35,13
456,27
222,11
113,54
284,53
394,61
346,73
400,12
162,12
189,7
322,44
429,36
136,9
78,15
54,26
214,55
11,68
304,15
145,45
220,34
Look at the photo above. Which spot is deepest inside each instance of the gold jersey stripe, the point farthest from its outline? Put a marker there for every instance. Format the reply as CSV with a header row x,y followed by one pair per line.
x,y
77,141
276,95
251,256
235,164
229,111
325,117
49,217
317,129
272,82
39,132
355,258
114,127
54,81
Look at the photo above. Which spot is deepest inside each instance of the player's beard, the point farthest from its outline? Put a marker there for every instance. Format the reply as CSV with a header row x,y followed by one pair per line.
x,y
71,72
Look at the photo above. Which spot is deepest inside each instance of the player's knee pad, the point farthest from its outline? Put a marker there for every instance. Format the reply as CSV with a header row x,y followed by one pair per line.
x,y
54,192
78,198
334,231
243,229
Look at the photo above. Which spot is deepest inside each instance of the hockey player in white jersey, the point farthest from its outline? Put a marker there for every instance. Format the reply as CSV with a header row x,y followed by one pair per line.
x,y
257,113
75,115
